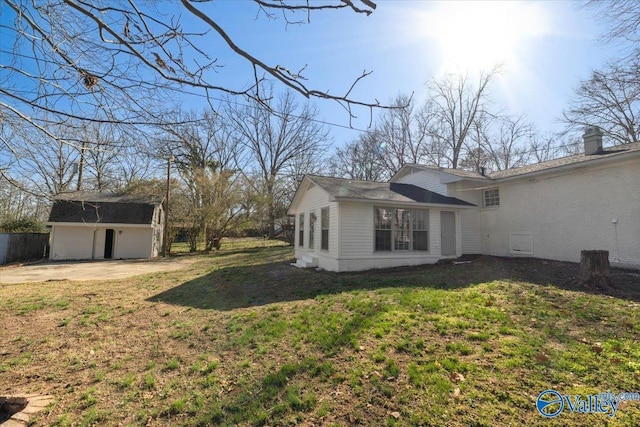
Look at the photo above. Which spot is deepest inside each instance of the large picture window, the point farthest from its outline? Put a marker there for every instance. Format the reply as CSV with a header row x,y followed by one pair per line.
x,y
301,230
324,223
401,229
312,230
491,198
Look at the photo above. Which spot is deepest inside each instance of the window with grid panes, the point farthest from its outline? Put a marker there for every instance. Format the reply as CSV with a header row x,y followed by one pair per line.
x,y
420,230
312,230
491,198
401,229
324,225
301,230
382,225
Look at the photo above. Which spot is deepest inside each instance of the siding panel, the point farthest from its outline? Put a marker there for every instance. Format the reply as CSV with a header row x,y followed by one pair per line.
x,y
469,218
356,225
429,180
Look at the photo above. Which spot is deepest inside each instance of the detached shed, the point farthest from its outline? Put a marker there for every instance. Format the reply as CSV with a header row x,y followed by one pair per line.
x,y
90,225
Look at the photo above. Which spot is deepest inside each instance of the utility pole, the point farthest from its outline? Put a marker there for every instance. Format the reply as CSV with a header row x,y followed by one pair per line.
x,y
81,166
165,237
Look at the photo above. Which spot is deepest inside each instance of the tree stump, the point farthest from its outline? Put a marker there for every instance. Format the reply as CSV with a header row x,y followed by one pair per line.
x,y
594,270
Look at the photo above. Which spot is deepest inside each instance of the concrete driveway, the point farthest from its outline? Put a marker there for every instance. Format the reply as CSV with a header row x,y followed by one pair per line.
x,y
86,270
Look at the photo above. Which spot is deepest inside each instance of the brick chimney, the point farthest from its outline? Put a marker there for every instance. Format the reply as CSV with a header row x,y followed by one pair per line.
x,y
592,140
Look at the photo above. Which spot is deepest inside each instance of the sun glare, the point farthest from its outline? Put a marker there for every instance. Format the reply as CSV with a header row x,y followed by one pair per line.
x,y
480,35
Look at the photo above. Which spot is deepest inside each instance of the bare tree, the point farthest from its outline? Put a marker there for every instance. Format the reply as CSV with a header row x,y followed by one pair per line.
x,y
360,159
119,62
19,205
278,135
47,169
508,142
623,17
102,146
475,155
610,99
402,134
455,104
134,164
542,148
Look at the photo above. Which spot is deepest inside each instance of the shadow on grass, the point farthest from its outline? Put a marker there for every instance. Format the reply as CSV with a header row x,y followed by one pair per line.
x,y
262,279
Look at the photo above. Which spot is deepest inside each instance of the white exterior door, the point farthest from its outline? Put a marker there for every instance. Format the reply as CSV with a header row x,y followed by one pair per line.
x,y
448,233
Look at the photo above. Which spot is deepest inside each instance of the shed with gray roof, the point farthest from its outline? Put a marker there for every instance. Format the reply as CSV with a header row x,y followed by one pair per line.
x,y
96,225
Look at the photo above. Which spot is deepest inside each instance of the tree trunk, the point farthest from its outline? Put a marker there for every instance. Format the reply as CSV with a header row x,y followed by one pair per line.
x,y
594,269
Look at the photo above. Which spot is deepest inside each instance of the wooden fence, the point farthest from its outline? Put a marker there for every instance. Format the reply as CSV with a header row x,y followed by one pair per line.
x,y
23,246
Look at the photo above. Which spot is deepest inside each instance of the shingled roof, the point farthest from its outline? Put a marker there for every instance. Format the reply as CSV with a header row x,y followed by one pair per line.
x,y
342,188
550,165
610,152
107,208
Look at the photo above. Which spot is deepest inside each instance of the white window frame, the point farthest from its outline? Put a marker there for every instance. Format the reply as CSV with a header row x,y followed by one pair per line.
x,y
301,230
312,230
394,227
325,219
414,229
376,229
494,200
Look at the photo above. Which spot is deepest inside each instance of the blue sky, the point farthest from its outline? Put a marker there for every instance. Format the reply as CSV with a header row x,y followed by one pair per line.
x,y
546,48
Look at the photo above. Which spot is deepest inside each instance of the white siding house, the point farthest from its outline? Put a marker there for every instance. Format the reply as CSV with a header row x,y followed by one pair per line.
x,y
550,210
91,225
373,224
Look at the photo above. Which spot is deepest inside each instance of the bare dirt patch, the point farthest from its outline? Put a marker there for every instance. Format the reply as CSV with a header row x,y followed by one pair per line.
x,y
85,270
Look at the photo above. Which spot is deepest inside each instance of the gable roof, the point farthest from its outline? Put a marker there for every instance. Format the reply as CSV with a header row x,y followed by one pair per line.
x,y
106,208
607,154
350,189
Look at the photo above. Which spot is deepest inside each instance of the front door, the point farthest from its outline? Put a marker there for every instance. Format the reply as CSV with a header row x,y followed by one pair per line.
x,y
108,244
448,233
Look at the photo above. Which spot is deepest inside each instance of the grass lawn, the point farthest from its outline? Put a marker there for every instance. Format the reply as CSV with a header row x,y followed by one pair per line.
x,y
242,338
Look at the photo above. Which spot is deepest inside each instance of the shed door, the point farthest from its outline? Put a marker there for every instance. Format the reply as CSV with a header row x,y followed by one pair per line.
x,y
448,233
108,244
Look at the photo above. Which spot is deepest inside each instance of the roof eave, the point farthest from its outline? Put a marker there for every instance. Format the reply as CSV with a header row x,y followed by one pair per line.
x,y
98,224
408,203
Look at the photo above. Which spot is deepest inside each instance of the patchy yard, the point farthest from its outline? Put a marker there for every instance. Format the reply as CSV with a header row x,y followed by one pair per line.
x,y
242,338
